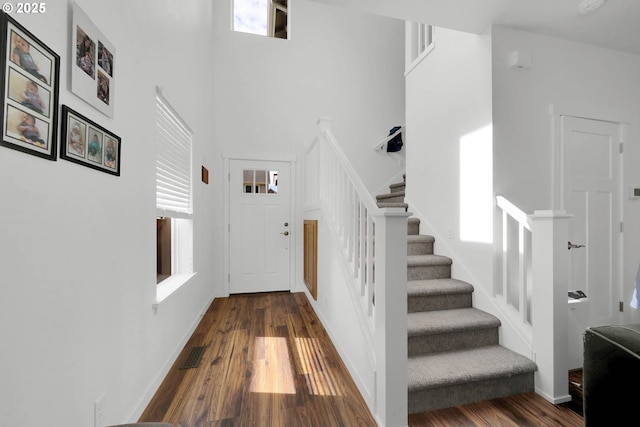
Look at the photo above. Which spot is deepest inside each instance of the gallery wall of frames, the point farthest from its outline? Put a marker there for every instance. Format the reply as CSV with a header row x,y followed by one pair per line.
x,y
33,121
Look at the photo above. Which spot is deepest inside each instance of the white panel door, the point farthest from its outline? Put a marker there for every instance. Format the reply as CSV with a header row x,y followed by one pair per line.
x,y
259,226
591,192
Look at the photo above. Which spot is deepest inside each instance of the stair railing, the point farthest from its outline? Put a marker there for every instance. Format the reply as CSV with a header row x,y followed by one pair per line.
x,y
532,284
515,284
378,273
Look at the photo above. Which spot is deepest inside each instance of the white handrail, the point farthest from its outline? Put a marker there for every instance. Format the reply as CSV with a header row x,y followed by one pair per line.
x,y
533,285
515,212
383,144
367,236
515,287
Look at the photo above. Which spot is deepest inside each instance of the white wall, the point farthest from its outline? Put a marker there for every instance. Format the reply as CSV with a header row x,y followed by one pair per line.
x,y
448,102
268,93
77,252
574,79
77,247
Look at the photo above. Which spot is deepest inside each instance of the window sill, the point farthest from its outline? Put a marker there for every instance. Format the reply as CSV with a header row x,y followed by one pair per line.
x,y
169,286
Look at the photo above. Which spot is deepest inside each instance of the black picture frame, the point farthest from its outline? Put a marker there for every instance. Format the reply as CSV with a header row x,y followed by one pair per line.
x,y
29,91
85,142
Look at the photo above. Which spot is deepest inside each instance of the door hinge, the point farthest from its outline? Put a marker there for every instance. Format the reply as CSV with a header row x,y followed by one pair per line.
x,y
621,147
229,227
229,278
621,307
229,176
621,226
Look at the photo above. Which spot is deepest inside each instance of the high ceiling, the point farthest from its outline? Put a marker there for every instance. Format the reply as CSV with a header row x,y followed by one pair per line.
x,y
615,25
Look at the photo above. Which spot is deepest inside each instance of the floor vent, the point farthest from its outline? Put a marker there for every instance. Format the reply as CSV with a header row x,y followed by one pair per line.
x,y
194,357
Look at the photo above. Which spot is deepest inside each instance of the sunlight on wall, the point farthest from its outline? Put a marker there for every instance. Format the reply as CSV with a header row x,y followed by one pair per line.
x,y
250,16
271,367
476,186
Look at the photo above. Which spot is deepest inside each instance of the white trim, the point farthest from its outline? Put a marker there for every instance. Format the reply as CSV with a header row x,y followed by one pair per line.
x,y
412,42
169,285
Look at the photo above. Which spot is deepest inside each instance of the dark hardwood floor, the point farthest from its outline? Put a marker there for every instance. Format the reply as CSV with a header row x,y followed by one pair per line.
x,y
268,362
523,410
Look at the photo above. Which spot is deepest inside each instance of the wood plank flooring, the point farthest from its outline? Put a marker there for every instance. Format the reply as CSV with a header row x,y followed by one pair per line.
x,y
523,410
269,363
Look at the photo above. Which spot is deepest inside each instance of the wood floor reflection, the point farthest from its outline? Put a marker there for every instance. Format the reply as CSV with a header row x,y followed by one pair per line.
x,y
268,362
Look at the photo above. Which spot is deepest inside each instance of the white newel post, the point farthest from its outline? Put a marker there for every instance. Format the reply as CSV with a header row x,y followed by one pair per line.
x,y
550,260
391,317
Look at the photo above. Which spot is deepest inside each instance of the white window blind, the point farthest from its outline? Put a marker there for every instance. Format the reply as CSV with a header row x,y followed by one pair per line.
x,y
173,162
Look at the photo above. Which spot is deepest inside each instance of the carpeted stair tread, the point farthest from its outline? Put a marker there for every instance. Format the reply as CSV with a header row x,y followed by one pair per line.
x,y
386,196
465,366
404,206
420,238
453,320
453,352
427,260
398,186
433,287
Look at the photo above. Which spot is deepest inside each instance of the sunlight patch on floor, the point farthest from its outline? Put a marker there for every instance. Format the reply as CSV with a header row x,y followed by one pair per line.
x,y
272,367
318,374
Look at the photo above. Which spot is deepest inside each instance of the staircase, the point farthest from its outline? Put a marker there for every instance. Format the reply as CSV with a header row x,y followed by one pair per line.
x,y
453,349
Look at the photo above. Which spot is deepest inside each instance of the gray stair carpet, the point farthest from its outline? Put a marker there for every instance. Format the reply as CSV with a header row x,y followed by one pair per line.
x,y
454,352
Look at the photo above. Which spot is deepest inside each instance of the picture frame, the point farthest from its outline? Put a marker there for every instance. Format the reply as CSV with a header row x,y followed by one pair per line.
x,y
29,91
85,142
92,64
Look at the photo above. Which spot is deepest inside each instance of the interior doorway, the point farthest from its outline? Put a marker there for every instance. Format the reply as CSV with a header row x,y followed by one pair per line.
x,y
591,157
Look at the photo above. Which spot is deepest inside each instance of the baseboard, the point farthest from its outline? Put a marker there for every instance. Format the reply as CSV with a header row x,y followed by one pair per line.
x,y
555,400
155,385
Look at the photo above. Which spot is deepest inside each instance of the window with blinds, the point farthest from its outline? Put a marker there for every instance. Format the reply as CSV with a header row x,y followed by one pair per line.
x,y
173,162
174,243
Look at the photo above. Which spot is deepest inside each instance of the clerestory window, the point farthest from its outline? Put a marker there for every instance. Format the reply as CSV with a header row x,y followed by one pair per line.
x,y
268,18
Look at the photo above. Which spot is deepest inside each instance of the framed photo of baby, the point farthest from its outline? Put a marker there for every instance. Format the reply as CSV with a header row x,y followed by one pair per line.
x,y
89,144
29,91
92,64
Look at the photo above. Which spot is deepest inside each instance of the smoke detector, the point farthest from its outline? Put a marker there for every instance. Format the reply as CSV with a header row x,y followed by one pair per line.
x,y
587,7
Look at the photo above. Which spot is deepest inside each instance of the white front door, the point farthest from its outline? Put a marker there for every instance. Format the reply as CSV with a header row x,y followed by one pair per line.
x,y
259,226
591,192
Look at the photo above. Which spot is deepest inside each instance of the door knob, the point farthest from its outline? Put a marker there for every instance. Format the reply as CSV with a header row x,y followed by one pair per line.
x,y
572,246
286,233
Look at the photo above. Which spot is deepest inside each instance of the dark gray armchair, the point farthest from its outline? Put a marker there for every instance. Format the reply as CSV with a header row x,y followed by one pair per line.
x,y
611,373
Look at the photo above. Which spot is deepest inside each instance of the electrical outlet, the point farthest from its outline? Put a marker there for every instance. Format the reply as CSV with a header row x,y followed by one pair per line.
x,y
99,411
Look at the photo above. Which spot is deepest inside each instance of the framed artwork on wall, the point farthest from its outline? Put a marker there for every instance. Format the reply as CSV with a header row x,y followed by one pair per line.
x,y
29,91
92,64
89,144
